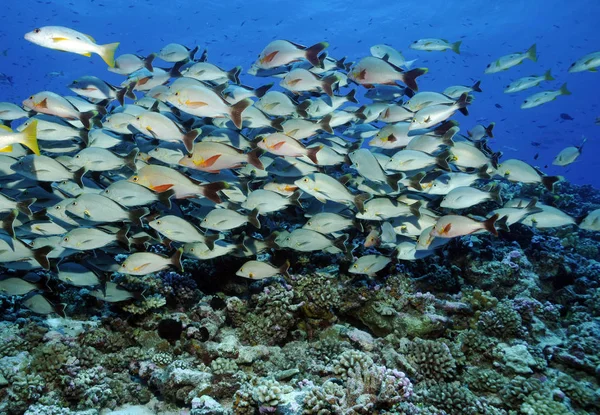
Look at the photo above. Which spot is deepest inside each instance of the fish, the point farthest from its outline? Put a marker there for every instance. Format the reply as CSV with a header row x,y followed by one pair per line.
x,y
100,209
527,82
77,275
589,62
328,223
174,52
283,145
548,217
50,103
129,63
465,196
283,52
369,264
301,80
324,187
95,88
101,159
541,98
518,171
307,240
457,90
569,155
113,293
87,239
434,114
508,61
46,169
69,40
389,54
144,263
452,226
266,201
214,156
225,219
591,222
383,208
258,270
17,286
207,72
479,132
180,230
411,160
372,71
368,167
40,305
430,45
129,194
11,112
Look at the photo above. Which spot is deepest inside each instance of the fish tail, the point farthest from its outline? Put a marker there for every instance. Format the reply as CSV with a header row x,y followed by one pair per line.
x,y
130,159
489,131
441,160
189,138
210,240
89,117
410,77
204,56
253,158
502,224
253,219
136,215
312,153
107,53
78,177
445,127
193,53
24,206
415,181
302,108
482,173
532,53
456,47
340,243
548,76
30,138
550,181
495,195
358,225
495,159
359,201
41,256
237,109
148,62
312,53
463,101
234,75
283,270
415,209
121,96
360,113
448,136
351,96
7,224
532,205
210,191
327,84
165,198
122,239
175,72
563,90
393,179
477,86
277,123
176,259
262,90
294,198
488,224
324,124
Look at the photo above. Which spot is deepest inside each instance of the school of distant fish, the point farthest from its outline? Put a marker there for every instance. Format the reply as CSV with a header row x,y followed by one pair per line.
x,y
206,167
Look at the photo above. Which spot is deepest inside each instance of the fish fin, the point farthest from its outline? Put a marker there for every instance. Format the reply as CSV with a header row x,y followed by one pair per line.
x,y
30,137
122,239
189,138
548,76
57,39
283,270
358,225
148,62
6,149
488,224
211,160
237,109
327,84
340,243
7,223
312,153
78,177
501,224
253,158
210,240
162,187
136,215
175,72
210,191
43,103
253,219
359,201
563,90
482,173
360,113
262,90
312,53
456,47
277,123
445,126
193,52
24,206
477,86
165,198
415,181
108,53
324,124
410,77
463,101
532,53
270,56
495,159
203,57
550,181
41,256
176,259
531,206
195,104
393,179
294,198
351,96
86,118
441,160
234,75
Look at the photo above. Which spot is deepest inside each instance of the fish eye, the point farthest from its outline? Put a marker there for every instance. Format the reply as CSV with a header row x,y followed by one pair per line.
x,y
107,191
191,249
355,266
37,30
204,220
309,223
74,203
158,222
135,178
177,93
305,180
77,156
66,239
64,183
31,97
75,81
57,207
526,101
488,65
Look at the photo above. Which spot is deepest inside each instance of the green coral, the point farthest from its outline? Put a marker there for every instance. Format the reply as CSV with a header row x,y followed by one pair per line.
x,y
428,359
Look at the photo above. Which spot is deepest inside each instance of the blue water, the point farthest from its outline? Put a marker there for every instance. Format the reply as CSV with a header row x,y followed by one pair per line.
x,y
235,32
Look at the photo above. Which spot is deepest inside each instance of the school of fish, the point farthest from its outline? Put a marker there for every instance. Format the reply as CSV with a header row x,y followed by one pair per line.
x,y
200,166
